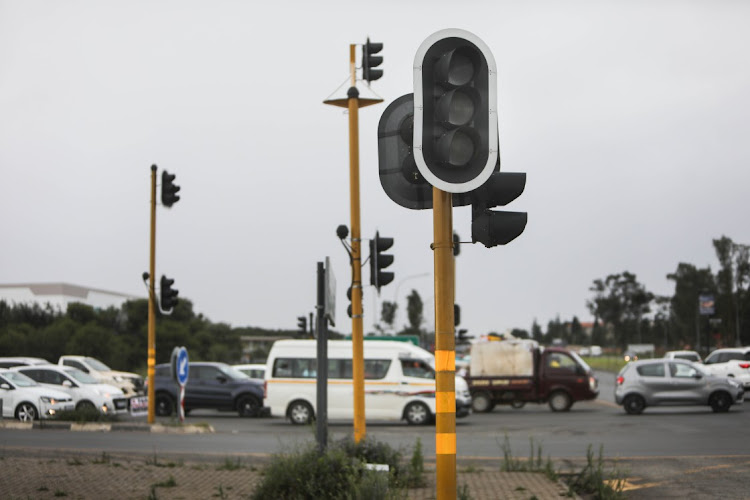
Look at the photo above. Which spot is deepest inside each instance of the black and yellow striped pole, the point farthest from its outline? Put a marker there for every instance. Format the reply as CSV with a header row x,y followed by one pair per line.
x,y
445,345
353,103
151,360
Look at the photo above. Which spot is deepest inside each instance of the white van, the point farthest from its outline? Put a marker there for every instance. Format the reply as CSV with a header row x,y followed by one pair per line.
x,y
399,381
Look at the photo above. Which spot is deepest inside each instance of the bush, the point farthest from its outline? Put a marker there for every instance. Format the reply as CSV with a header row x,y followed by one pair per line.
x,y
86,414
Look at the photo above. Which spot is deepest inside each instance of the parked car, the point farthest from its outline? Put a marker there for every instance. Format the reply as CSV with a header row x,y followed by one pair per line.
x,y
686,355
663,382
26,400
10,362
209,385
82,387
252,371
730,362
129,383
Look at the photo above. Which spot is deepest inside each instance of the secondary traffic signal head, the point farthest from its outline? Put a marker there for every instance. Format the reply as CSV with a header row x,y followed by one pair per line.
x,y
455,111
302,324
370,61
379,261
169,189
491,227
168,294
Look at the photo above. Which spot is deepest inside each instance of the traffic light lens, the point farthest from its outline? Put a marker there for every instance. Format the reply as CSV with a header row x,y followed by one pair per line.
x,y
410,171
456,108
456,147
456,67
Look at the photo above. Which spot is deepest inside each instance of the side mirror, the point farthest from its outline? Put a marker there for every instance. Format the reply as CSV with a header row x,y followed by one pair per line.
x,y
697,376
221,378
5,386
67,383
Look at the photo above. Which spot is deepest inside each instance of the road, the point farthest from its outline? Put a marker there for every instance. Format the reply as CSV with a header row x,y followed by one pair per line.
x,y
663,453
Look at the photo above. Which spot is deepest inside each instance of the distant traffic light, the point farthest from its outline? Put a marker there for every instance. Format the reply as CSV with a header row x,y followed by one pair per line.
x,y
168,295
455,111
169,189
379,261
302,324
491,227
456,245
370,61
456,315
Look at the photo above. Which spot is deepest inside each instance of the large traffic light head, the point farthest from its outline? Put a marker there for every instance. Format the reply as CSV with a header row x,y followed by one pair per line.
x,y
371,61
302,324
491,227
379,261
455,111
168,294
169,189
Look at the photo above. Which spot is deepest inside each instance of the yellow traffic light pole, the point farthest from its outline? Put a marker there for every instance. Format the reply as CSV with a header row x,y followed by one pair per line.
x,y
445,345
151,363
353,103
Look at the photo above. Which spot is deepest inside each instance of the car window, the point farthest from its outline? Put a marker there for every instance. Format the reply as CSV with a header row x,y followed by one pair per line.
x,y
682,370
417,368
98,365
20,380
75,364
711,359
77,374
205,373
689,357
651,370
234,373
560,361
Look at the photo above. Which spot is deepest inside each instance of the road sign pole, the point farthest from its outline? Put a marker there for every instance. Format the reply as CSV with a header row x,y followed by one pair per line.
x,y
445,346
182,403
151,360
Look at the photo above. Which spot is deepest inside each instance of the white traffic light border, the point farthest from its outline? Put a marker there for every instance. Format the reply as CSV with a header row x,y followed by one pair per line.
x,y
418,108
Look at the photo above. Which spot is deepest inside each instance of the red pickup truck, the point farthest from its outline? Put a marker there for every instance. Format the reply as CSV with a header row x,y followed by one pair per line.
x,y
516,372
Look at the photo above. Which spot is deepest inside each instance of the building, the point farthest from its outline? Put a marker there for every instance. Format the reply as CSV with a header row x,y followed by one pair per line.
x,y
59,295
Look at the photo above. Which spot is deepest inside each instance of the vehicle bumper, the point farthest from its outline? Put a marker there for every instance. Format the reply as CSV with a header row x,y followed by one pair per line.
x,y
463,409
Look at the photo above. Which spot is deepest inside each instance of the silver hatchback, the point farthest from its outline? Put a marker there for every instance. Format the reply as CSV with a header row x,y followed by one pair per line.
x,y
668,382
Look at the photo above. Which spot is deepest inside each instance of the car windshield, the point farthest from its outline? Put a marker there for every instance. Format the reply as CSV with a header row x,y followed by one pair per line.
x,y
580,361
19,379
81,377
233,373
98,365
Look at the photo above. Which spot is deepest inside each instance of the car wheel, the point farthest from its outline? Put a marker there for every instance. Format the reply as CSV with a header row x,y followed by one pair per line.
x,y
720,402
164,405
481,402
300,413
248,406
560,401
634,404
417,414
26,412
85,406
517,405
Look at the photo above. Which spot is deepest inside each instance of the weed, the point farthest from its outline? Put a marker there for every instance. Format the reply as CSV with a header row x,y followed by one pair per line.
x,y
463,492
415,473
169,483
83,415
593,480
74,461
152,495
105,459
220,493
42,488
533,464
230,464
520,488
60,493
471,469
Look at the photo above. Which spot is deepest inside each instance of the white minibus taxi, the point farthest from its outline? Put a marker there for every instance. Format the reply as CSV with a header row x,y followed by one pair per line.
x,y
399,381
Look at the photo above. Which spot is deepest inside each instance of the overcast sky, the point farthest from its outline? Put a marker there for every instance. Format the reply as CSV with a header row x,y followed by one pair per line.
x,y
630,118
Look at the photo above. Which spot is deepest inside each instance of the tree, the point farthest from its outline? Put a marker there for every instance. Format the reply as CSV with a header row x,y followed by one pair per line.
x,y
689,283
387,316
414,310
732,283
621,301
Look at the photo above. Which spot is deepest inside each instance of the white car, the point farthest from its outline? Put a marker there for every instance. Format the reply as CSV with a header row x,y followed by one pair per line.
x,y
730,362
129,383
252,371
82,387
27,401
686,355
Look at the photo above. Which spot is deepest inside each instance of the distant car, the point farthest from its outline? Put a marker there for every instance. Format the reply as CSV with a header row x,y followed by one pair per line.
x,y
27,401
686,355
663,382
10,362
129,383
252,371
731,362
210,385
82,387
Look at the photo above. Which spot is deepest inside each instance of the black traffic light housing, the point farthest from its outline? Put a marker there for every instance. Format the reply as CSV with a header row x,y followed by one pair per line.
x,y
491,227
455,111
169,189
379,261
302,324
168,295
371,61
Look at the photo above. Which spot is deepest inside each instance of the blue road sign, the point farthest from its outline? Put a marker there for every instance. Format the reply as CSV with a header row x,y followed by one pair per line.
x,y
183,367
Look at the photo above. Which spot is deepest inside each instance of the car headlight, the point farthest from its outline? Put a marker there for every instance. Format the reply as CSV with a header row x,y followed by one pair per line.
x,y
48,400
118,378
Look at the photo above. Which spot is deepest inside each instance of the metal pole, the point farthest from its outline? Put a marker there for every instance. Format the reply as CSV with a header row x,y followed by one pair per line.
x,y
151,363
358,368
445,346
321,422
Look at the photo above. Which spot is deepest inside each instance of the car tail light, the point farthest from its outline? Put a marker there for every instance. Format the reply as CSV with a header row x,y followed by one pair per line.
x,y
620,380
744,365
265,388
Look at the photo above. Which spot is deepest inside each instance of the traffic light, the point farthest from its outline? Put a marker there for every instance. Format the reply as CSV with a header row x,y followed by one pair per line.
x,y
455,111
168,295
456,315
370,61
379,261
349,296
456,245
302,324
490,227
169,189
